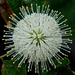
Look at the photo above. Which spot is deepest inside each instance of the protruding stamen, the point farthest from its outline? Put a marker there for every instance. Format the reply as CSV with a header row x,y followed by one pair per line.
x,y
63,54
59,18
10,54
7,35
10,46
28,10
62,22
42,8
51,13
65,50
32,8
53,63
47,11
21,62
13,19
8,39
9,27
11,50
12,23
8,42
23,13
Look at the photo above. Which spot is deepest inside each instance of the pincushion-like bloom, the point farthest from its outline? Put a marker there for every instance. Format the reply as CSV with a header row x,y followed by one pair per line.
x,y
38,37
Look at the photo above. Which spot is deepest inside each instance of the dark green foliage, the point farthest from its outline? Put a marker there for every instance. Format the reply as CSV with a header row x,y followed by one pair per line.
x,y
62,70
67,7
12,69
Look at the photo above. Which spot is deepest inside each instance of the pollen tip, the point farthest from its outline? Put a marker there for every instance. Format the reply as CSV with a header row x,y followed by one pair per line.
x,y
19,66
49,69
59,12
70,48
28,70
54,67
22,6
4,49
46,70
35,71
48,5
14,14
28,66
9,17
3,35
2,39
71,34
37,63
13,62
39,6
35,68
69,52
36,4
60,62
11,58
7,52
20,13
3,30
4,43
66,55
26,7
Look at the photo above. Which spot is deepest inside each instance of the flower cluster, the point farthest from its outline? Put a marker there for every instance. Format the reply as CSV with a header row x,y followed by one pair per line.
x,y
38,37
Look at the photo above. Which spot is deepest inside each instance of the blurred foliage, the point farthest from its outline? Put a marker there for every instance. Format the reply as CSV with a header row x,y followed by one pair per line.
x,y
15,4
12,69
64,62
67,7
62,70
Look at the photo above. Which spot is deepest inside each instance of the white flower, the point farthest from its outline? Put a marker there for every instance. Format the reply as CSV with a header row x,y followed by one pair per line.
x,y
38,37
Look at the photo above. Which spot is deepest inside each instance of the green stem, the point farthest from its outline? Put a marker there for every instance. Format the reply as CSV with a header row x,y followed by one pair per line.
x,y
5,55
25,70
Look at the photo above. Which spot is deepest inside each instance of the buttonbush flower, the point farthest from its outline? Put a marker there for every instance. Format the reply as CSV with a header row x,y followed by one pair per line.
x,y
39,36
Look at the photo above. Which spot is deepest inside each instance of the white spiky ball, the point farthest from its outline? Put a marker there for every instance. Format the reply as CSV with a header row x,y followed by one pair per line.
x,y
38,37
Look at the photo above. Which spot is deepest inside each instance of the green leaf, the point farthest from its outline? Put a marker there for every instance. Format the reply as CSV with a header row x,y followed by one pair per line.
x,y
64,62
39,2
12,69
67,9
4,72
62,70
34,2
15,4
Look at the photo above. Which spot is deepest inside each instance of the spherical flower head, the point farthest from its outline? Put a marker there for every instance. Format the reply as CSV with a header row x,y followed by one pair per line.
x,y
38,37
